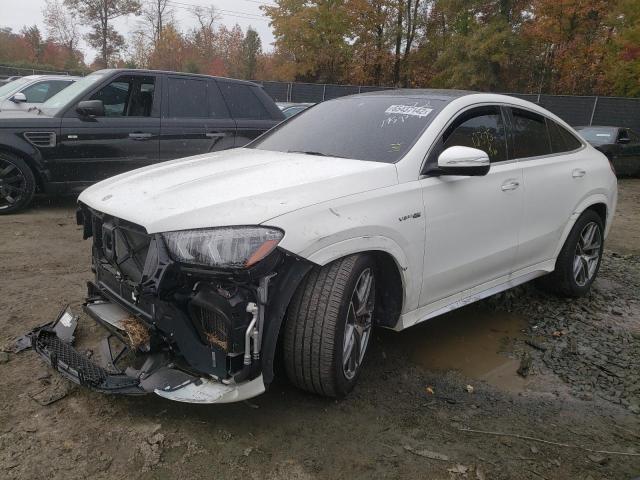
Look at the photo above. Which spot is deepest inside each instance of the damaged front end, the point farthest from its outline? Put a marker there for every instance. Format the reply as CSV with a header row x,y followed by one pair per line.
x,y
191,316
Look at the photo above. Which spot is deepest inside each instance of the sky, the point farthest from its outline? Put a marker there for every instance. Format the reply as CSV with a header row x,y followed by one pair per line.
x,y
18,13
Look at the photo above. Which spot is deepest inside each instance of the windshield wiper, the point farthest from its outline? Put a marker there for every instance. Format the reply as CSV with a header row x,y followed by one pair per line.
x,y
310,152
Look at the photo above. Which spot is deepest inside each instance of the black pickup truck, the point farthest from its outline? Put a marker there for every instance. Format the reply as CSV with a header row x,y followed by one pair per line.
x,y
116,120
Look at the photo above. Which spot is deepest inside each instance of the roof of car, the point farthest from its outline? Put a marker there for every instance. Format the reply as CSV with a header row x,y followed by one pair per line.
x,y
420,92
50,77
596,126
142,70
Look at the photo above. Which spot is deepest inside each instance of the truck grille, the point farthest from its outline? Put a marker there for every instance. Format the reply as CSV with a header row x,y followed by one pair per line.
x,y
41,139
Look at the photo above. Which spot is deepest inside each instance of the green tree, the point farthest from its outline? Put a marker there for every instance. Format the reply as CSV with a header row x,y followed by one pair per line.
x,y
99,14
251,49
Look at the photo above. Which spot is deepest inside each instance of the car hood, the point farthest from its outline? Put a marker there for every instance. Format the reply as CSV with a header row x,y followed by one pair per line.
x,y
235,187
26,119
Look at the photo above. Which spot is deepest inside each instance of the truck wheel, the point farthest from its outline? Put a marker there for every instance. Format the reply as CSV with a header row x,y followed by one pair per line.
x,y
17,184
329,326
579,260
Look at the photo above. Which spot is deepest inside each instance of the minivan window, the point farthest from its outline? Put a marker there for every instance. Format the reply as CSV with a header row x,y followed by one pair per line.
x,y
376,128
187,98
530,136
561,139
242,102
480,128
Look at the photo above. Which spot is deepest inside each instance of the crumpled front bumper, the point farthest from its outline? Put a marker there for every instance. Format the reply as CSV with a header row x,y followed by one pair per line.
x,y
159,375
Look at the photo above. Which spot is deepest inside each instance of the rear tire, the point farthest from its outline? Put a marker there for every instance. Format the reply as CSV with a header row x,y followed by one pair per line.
x,y
329,326
579,260
17,184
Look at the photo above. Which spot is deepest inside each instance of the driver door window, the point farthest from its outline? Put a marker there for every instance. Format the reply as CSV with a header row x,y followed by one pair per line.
x,y
127,97
481,128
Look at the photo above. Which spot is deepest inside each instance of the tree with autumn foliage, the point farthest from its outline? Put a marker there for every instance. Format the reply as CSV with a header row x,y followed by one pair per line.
x,y
540,46
99,14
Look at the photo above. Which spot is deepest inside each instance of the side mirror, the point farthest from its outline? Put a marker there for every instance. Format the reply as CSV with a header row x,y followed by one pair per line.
x,y
19,98
90,108
463,161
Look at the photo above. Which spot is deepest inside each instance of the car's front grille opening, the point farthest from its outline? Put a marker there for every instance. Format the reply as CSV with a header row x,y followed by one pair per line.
x,y
41,139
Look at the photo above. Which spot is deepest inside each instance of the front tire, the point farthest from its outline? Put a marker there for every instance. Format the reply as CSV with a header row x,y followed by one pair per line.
x,y
17,184
579,260
329,326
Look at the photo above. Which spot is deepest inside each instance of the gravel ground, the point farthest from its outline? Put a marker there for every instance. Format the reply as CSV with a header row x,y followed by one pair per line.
x,y
573,415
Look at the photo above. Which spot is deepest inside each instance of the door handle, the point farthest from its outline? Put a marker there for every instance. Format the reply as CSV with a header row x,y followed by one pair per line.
x,y
510,185
578,173
140,136
215,134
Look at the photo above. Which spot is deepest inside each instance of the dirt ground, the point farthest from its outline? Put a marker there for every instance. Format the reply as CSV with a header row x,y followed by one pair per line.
x,y
435,401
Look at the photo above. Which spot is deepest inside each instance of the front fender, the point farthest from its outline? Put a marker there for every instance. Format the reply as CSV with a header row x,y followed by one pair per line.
x,y
13,143
389,220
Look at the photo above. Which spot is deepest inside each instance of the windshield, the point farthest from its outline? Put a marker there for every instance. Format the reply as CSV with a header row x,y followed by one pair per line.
x,y
376,128
62,98
11,87
598,136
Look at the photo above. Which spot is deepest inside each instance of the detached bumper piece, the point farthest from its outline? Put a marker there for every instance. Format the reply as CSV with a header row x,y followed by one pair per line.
x,y
157,374
78,368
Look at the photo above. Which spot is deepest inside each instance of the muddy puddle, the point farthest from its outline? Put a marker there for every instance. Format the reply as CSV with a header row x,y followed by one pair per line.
x,y
473,341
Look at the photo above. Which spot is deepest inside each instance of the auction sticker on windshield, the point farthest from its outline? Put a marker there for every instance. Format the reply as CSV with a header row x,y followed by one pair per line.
x,y
408,110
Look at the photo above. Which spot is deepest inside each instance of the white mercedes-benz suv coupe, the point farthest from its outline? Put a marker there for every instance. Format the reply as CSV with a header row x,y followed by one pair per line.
x,y
375,210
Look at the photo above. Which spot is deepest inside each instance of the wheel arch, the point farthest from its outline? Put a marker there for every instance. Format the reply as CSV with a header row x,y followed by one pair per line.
x,y
31,163
391,262
291,275
597,203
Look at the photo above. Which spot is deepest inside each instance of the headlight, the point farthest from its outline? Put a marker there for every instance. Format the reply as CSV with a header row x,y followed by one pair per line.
x,y
226,247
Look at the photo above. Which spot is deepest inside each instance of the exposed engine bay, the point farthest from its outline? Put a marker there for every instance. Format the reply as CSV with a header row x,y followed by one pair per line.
x,y
186,332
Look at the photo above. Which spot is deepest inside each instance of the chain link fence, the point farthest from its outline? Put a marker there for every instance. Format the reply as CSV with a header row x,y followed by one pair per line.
x,y
8,71
575,110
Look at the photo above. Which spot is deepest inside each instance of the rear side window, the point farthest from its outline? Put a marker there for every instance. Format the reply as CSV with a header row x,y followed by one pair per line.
x,y
480,128
242,102
561,139
187,98
530,136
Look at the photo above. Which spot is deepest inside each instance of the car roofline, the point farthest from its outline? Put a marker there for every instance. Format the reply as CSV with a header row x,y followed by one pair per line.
x,y
169,72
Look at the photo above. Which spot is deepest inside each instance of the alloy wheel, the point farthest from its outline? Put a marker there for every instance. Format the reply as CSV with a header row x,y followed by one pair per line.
x,y
358,325
13,184
587,254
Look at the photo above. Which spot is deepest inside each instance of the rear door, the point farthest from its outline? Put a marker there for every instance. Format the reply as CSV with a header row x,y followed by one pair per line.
x,y
555,179
125,138
252,110
195,118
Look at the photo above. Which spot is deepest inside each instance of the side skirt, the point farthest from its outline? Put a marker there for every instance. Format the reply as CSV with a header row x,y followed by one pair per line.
x,y
469,296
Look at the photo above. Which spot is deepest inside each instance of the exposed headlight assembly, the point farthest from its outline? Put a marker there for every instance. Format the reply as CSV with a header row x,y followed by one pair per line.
x,y
225,247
